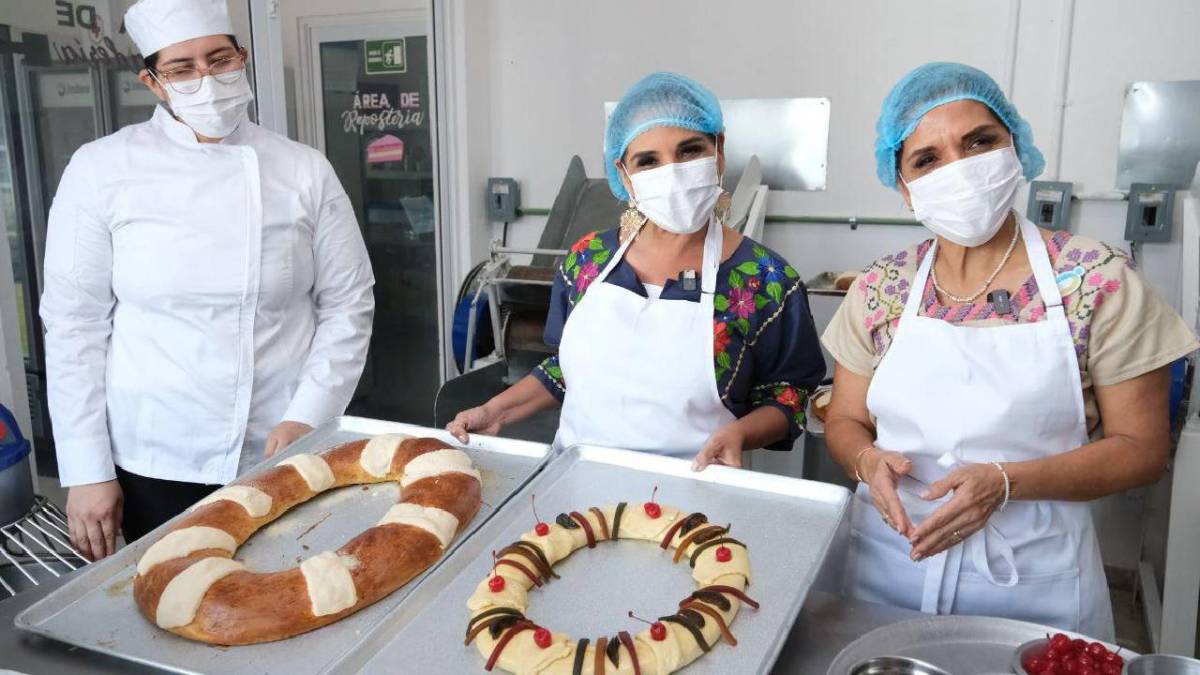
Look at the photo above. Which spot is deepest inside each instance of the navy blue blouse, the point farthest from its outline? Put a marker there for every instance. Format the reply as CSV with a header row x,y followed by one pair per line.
x,y
765,347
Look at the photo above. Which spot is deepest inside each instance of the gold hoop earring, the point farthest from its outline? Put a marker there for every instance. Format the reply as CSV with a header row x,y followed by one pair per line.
x,y
631,221
723,207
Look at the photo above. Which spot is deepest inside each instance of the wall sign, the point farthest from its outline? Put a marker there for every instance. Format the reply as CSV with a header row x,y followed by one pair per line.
x,y
381,111
385,56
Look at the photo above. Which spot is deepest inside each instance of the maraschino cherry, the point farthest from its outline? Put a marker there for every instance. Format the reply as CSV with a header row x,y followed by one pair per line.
x,y
658,631
541,528
496,583
652,509
542,638
724,555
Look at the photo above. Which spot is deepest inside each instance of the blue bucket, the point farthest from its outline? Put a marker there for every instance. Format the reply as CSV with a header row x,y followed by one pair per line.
x,y
16,479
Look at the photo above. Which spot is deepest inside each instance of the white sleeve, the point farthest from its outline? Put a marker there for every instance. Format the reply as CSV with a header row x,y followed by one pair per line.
x,y
76,308
345,306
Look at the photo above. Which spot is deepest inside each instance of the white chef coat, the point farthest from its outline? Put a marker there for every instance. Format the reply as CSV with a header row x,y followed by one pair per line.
x,y
195,296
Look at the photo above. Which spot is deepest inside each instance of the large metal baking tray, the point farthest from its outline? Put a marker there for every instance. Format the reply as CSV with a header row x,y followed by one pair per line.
x,y
96,610
788,524
963,645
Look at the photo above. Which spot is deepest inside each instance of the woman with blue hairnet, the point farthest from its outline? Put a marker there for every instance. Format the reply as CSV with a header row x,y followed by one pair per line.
x,y
676,335
992,380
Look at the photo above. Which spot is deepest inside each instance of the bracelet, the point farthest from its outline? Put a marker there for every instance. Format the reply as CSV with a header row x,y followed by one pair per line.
x,y
1007,485
857,457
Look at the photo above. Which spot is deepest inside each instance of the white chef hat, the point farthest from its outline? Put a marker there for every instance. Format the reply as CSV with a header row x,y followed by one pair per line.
x,y
154,24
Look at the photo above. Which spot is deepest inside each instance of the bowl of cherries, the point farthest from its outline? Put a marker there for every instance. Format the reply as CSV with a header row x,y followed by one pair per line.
x,y
1059,654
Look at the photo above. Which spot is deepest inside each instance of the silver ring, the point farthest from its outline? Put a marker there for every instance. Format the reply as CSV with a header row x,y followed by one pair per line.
x,y
957,536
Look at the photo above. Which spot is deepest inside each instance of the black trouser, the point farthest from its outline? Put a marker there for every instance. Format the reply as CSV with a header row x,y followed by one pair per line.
x,y
150,502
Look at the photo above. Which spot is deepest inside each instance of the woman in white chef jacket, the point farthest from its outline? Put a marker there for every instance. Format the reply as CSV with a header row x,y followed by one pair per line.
x,y
676,335
207,295
992,380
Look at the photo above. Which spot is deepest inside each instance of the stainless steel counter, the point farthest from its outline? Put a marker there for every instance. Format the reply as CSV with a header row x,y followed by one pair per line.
x,y
826,625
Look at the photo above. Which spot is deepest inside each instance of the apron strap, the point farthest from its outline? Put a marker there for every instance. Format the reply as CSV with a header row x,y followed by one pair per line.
x,y
1039,260
713,244
612,263
916,292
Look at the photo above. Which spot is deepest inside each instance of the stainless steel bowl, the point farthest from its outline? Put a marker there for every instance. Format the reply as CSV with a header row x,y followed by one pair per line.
x,y
895,665
1162,664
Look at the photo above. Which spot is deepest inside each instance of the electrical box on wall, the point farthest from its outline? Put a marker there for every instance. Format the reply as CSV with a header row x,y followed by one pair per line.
x,y
1050,204
504,198
1151,207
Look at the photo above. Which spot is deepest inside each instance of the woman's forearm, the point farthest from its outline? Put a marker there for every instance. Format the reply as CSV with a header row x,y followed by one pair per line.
x,y
846,439
762,427
1091,471
1133,452
521,400
848,423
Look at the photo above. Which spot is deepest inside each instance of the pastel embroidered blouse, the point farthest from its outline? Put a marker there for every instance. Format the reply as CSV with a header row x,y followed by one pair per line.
x,y
1121,327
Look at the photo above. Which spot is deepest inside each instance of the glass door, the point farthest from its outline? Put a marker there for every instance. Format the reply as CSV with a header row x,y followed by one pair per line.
x,y
370,114
130,102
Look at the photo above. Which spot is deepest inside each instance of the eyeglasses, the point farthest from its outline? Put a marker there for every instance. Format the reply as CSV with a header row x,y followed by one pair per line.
x,y
187,80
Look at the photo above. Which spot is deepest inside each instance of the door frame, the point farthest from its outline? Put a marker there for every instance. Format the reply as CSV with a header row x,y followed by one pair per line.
x,y
317,29
266,48
311,130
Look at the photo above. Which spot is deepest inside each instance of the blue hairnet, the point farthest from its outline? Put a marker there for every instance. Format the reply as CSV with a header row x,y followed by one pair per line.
x,y
657,100
935,84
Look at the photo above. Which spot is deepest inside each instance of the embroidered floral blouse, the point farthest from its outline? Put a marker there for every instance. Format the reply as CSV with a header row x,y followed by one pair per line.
x,y
1120,326
765,347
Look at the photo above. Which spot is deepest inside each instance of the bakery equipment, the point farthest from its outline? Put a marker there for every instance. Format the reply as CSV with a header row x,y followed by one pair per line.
x,y
35,548
34,542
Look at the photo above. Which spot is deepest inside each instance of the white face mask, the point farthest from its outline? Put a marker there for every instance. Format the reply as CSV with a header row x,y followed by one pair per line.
x,y
967,201
214,110
678,197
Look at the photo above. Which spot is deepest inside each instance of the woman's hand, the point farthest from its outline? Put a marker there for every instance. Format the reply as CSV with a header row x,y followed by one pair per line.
x,y
482,419
978,491
881,470
284,434
94,513
725,447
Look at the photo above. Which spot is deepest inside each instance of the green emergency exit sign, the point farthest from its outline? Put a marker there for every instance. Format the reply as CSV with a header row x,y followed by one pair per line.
x,y
385,56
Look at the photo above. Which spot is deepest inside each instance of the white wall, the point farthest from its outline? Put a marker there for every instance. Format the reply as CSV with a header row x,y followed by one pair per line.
x,y
528,80
553,64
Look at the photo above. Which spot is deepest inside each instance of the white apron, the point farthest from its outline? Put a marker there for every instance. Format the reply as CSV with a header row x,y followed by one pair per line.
x,y
945,395
639,371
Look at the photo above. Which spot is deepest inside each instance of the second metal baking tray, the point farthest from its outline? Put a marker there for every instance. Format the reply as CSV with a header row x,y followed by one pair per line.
x,y
96,610
788,524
